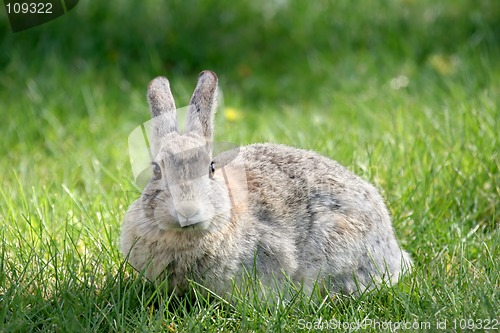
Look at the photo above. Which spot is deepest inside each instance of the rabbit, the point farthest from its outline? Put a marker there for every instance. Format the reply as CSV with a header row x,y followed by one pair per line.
x,y
283,213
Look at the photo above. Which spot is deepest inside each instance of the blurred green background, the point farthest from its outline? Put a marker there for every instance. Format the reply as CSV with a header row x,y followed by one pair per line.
x,y
267,49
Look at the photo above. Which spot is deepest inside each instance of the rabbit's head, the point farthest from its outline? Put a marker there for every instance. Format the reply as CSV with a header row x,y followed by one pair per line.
x,y
184,192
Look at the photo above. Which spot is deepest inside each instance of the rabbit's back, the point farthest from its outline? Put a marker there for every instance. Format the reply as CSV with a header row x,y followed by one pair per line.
x,y
327,222
294,186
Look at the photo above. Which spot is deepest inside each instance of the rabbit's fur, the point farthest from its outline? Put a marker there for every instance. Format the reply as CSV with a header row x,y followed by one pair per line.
x,y
281,212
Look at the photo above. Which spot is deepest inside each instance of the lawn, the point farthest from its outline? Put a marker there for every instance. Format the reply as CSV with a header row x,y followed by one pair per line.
x,y
404,93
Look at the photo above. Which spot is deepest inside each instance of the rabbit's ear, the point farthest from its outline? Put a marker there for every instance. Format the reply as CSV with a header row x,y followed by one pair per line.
x,y
202,106
162,106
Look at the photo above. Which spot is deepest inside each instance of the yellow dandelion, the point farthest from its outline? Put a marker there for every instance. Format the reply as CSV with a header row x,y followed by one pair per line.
x,y
443,64
232,114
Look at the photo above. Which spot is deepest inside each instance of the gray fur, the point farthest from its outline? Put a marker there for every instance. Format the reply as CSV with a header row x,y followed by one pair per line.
x,y
274,209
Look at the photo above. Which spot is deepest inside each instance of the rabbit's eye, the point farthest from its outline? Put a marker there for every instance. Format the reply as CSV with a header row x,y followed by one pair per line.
x,y
211,170
156,171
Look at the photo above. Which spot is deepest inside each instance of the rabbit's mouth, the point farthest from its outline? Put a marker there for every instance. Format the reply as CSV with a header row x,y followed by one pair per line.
x,y
192,222
195,227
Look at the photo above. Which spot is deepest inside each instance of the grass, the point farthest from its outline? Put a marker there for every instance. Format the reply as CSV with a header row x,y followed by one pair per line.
x,y
405,95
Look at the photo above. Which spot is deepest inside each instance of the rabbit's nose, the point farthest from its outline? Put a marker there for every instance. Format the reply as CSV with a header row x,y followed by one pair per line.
x,y
187,213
